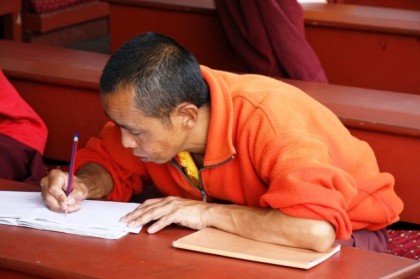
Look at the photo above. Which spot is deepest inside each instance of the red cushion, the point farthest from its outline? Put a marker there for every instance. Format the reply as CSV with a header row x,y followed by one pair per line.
x,y
404,243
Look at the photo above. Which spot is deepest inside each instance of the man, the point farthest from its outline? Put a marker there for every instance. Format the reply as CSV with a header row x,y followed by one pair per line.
x,y
243,153
23,136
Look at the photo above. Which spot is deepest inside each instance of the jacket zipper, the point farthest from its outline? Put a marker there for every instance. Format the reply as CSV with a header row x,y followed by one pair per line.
x,y
200,186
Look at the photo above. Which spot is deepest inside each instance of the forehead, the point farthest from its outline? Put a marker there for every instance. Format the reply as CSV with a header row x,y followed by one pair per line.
x,y
122,97
120,106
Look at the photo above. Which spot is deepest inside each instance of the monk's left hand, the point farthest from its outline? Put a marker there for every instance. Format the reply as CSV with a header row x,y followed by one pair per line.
x,y
166,211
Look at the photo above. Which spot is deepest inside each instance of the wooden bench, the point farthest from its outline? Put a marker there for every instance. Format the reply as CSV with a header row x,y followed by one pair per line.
x,y
370,47
10,19
400,4
67,25
194,24
62,86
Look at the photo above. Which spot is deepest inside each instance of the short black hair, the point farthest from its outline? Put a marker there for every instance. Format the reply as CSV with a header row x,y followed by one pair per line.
x,y
162,72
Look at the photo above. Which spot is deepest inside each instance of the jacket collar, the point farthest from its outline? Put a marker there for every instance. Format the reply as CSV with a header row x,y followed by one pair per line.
x,y
219,138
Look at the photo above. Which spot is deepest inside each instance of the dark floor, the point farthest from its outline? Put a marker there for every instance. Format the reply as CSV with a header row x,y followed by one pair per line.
x,y
100,45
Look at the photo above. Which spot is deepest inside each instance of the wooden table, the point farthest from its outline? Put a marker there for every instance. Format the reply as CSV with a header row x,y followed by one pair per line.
x,y
30,253
370,47
10,9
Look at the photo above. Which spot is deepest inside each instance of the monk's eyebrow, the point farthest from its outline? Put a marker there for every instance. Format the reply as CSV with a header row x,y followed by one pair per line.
x,y
126,127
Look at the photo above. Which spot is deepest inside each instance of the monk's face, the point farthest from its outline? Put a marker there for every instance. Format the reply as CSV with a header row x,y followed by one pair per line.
x,y
148,138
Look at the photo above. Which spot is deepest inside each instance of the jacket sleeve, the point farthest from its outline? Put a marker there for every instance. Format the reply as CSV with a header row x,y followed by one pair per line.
x,y
326,174
125,169
304,183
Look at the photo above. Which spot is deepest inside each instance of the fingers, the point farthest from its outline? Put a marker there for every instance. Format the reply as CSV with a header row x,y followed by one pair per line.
x,y
162,223
78,193
54,187
73,201
53,190
170,210
150,210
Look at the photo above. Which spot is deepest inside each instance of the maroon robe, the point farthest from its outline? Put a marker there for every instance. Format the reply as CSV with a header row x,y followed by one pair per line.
x,y
269,36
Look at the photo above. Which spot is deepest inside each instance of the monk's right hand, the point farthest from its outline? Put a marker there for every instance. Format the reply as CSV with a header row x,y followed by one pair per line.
x,y
54,187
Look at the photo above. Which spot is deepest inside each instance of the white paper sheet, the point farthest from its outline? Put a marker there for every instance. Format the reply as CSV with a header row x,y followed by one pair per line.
x,y
95,218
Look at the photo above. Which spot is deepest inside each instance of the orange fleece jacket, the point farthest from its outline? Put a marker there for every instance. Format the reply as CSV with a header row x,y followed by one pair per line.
x,y
269,145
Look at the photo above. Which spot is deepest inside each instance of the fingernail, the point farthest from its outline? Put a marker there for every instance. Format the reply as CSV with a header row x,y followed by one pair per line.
x,y
151,229
122,219
132,224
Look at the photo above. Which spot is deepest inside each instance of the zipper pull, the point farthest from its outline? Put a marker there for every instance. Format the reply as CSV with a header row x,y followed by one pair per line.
x,y
204,195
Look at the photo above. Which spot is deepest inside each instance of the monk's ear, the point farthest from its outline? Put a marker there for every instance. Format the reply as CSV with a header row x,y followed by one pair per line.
x,y
187,115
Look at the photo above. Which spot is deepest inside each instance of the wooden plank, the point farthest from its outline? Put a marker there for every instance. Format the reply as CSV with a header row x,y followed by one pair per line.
x,y
400,4
368,47
65,17
361,46
62,86
201,33
153,257
191,6
72,34
366,18
382,111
